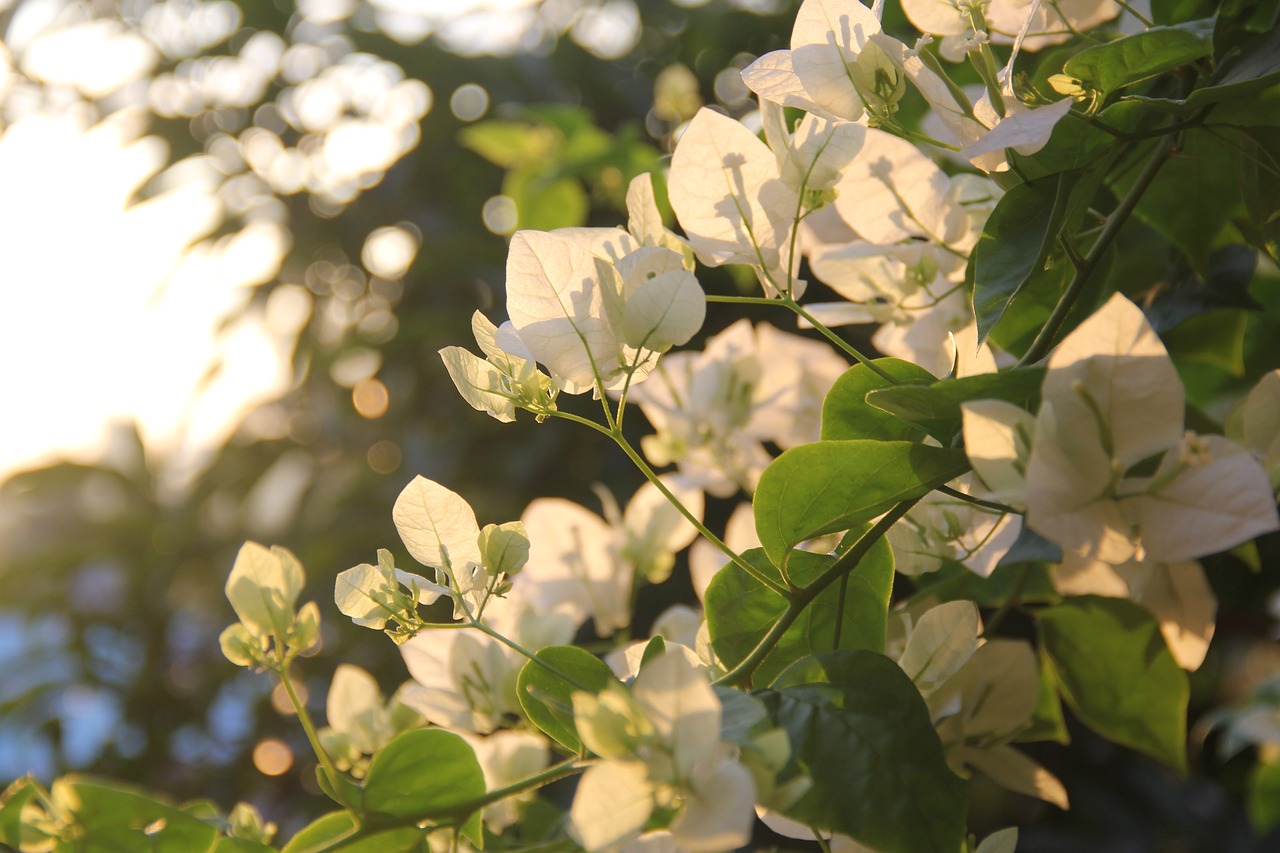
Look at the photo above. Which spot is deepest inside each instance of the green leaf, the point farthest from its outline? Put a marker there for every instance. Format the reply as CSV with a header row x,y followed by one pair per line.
x,y
1195,196
510,144
546,696
1117,674
18,794
1184,295
241,845
955,582
117,818
1047,722
828,486
935,408
861,731
1015,243
1216,340
847,415
322,832
423,774
544,203
1131,59
741,610
1264,796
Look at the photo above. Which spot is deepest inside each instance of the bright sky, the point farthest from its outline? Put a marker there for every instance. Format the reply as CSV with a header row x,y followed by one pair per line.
x,y
117,299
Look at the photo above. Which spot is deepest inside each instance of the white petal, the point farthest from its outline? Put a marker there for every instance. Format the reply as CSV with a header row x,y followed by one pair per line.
x,y
1011,769
684,710
727,193
719,812
612,804
894,192
572,568
773,79
937,17
479,383
820,151
1118,358
826,40
1210,507
556,297
263,586
997,439
1026,132
354,706
1180,598
437,526
943,640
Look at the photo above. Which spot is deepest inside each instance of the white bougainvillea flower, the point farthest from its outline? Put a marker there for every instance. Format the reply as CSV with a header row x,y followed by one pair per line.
x,y
942,528
506,757
660,745
826,42
1051,22
439,528
997,439
557,293
796,374
1177,594
1256,424
1111,400
465,679
939,644
263,588
586,567
729,195
505,379
678,626
812,158
939,17
982,708
894,192
713,410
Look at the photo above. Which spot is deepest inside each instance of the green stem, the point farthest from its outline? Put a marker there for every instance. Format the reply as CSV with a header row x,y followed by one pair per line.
x,y
1044,340
992,505
457,814
802,598
652,477
1014,599
307,725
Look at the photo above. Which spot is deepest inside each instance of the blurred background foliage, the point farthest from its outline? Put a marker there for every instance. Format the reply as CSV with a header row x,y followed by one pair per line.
x,y
386,148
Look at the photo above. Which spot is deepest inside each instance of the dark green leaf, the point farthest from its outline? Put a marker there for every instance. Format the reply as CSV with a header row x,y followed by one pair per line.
x,y
1184,294
1215,339
423,774
741,610
1176,203
1047,722
1016,241
935,408
547,697
1131,59
955,582
1116,673
860,729
828,486
847,415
